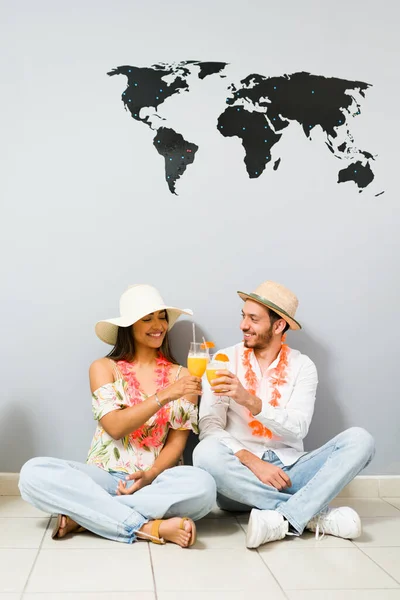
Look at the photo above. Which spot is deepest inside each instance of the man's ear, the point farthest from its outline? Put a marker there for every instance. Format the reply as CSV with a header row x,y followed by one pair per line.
x,y
279,326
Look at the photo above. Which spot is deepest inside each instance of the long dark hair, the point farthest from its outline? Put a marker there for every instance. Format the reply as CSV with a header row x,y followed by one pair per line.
x,y
124,348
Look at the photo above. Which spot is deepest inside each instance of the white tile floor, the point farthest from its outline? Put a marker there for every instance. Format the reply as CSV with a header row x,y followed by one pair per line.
x,y
218,567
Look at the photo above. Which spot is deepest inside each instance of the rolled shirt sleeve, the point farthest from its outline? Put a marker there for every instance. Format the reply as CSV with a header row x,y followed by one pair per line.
x,y
213,417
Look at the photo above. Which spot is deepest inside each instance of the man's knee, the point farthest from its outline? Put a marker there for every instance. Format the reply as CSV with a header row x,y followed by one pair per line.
x,y
362,439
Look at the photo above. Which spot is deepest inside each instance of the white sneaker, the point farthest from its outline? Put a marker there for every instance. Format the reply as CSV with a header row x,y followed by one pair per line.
x,y
342,522
265,526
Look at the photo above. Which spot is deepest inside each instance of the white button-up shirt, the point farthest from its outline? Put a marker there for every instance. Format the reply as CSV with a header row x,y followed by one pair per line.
x,y
288,422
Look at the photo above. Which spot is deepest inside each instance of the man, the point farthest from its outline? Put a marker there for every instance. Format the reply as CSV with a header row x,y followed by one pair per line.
x,y
252,424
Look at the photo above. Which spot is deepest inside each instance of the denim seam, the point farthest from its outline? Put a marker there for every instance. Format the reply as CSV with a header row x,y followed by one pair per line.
x,y
303,489
86,514
311,455
132,528
291,520
299,494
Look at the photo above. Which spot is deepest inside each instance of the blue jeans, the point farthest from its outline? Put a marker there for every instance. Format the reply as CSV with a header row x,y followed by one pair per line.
x,y
317,477
87,494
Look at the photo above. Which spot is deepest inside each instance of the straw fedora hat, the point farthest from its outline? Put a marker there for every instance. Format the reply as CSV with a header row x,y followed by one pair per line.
x,y
135,303
278,298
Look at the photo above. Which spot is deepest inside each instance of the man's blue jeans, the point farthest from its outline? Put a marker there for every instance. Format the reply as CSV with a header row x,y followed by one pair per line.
x,y
317,477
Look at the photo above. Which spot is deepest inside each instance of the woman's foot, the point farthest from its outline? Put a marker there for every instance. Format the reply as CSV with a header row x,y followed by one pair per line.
x,y
64,526
176,530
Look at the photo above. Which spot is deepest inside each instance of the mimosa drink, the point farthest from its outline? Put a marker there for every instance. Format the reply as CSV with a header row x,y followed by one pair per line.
x,y
218,362
197,359
197,365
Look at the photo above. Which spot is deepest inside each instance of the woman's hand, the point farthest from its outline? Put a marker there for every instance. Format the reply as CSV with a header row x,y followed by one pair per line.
x,y
187,385
142,478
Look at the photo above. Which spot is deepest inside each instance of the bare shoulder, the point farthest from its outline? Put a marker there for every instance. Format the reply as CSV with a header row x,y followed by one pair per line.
x,y
178,368
101,365
100,373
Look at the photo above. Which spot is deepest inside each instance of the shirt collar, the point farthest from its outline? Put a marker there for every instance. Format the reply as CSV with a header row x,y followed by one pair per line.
x,y
256,366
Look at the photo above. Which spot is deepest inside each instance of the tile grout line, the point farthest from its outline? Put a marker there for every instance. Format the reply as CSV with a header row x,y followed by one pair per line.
x,y
381,589
240,525
390,504
36,557
373,547
354,546
19,547
264,564
152,571
23,592
380,566
273,575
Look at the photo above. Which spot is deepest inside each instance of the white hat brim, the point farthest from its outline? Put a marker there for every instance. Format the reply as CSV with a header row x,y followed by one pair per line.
x,y
107,330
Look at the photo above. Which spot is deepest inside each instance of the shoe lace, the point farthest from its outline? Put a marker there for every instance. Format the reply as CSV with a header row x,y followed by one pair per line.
x,y
319,528
275,531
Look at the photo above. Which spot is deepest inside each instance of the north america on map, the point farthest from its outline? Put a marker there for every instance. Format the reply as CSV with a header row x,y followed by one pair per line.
x,y
258,111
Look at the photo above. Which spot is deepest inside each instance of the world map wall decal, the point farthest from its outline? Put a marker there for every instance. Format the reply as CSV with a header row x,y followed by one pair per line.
x,y
258,111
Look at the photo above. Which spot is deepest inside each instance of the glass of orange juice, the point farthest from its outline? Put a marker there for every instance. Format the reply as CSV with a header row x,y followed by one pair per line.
x,y
198,358
218,362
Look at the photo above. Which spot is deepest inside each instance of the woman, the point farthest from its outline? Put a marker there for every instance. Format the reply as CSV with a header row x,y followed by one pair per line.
x,y
145,405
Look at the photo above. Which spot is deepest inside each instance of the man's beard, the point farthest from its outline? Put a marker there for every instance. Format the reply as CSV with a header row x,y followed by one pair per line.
x,y
261,341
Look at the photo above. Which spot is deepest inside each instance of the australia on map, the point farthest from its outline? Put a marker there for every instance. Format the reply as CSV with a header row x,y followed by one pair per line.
x,y
258,111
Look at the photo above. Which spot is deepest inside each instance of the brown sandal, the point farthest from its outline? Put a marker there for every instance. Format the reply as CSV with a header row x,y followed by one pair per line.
x,y
56,528
155,531
193,536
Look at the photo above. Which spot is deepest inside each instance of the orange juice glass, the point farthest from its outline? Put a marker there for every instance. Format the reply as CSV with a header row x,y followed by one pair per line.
x,y
214,366
197,359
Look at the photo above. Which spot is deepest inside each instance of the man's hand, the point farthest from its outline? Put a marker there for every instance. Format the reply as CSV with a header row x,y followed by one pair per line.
x,y
267,473
227,384
142,479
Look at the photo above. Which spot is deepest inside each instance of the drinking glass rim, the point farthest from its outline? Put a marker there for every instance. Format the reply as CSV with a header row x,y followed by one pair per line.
x,y
219,362
197,350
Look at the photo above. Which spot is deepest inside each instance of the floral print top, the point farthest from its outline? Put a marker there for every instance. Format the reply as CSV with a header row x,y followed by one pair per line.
x,y
139,449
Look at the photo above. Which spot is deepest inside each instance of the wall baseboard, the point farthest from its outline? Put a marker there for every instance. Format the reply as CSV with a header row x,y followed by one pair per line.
x,y
9,484
373,486
364,486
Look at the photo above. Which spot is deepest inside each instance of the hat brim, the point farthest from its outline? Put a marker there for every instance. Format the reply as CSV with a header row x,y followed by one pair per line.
x,y
293,324
107,330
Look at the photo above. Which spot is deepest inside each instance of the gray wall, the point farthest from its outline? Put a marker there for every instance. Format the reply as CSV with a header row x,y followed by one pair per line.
x,y
86,211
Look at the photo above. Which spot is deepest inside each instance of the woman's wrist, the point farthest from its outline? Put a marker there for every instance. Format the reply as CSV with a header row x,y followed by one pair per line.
x,y
163,397
153,472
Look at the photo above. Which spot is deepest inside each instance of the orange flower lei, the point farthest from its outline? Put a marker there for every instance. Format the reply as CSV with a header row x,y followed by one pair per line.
x,y
277,378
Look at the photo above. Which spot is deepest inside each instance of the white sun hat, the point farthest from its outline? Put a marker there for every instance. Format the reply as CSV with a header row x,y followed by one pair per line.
x,y
135,303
